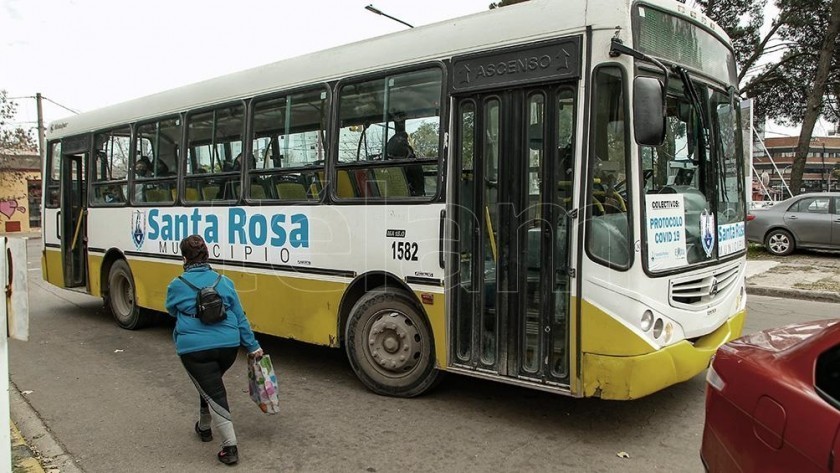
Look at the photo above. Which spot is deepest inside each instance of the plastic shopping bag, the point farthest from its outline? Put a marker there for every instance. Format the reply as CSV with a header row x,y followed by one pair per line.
x,y
262,384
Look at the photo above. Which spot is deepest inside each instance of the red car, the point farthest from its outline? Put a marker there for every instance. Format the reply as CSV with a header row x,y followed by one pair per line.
x,y
773,402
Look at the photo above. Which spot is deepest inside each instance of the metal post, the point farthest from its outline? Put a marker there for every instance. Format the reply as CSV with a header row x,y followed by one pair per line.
x,y
41,130
5,428
822,181
829,176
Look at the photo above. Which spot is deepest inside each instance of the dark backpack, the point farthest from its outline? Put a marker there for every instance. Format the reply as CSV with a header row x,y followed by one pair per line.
x,y
209,307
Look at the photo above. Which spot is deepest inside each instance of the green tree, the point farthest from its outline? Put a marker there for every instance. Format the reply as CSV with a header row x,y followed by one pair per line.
x,y
425,140
13,137
805,83
802,84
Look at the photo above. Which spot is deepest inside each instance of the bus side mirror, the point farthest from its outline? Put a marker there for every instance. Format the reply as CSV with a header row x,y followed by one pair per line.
x,y
648,111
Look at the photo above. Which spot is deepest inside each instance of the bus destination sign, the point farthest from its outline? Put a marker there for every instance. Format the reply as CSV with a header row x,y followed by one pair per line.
x,y
554,60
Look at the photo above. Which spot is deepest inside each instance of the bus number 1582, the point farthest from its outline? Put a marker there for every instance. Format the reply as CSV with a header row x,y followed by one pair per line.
x,y
404,250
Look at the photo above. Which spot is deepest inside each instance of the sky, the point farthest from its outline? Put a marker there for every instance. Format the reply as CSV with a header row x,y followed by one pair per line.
x,y
86,54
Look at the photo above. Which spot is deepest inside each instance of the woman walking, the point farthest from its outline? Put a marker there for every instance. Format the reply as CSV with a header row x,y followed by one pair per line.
x,y
209,350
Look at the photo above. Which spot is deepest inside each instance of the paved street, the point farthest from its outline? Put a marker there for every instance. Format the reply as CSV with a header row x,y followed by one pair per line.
x,y
119,401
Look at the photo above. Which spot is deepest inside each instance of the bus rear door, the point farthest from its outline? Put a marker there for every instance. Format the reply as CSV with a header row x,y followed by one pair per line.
x,y
71,224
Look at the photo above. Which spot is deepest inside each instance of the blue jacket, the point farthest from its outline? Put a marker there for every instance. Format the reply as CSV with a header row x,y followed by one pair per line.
x,y
190,333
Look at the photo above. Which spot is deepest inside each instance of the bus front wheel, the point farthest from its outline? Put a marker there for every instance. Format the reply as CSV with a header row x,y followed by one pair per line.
x,y
120,299
389,344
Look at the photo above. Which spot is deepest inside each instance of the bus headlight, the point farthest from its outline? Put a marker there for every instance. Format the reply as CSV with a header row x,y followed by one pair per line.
x,y
647,320
669,331
657,328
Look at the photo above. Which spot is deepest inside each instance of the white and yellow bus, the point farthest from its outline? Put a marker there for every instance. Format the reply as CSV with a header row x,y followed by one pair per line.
x,y
548,194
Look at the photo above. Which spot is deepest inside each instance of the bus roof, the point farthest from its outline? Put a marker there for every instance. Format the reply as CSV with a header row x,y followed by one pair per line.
x,y
525,22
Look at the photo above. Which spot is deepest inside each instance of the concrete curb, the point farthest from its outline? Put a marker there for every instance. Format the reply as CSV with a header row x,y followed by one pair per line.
x,y
793,293
23,458
38,436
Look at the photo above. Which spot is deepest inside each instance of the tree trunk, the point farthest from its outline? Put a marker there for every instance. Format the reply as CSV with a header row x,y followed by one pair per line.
x,y
815,98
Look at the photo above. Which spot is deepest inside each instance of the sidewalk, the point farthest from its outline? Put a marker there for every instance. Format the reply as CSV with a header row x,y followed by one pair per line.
x,y
807,275
34,449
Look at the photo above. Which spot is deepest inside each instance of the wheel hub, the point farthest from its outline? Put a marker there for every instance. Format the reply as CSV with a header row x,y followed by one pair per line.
x,y
393,342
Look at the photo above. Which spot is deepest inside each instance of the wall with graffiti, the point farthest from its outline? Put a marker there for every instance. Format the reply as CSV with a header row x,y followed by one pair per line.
x,y
20,195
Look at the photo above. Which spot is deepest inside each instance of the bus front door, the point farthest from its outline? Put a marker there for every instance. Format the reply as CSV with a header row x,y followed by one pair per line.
x,y
71,220
514,186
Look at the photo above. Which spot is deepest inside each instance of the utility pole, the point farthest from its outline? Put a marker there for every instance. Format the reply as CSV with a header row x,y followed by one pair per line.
x,y
41,130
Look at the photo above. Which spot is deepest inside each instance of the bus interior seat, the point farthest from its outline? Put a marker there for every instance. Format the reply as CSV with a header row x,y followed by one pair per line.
x,y
157,195
316,187
210,192
191,193
257,191
366,186
344,185
290,191
391,182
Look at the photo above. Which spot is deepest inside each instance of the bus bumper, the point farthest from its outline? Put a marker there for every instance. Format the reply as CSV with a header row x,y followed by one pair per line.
x,y
632,377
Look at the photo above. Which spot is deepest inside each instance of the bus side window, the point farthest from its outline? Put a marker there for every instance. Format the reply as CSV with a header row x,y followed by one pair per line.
x,y
156,161
110,167
214,140
289,143
608,239
390,130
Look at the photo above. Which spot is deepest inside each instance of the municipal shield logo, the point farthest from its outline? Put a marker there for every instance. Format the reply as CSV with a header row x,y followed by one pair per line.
x,y
707,234
138,228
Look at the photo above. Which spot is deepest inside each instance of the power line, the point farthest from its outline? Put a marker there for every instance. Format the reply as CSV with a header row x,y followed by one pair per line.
x,y
62,106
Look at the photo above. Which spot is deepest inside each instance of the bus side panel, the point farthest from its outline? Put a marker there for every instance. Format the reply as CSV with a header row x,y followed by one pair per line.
x,y
296,308
289,307
51,266
94,263
151,278
436,311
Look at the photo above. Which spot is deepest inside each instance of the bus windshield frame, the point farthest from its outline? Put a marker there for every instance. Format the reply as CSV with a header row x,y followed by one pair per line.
x,y
694,211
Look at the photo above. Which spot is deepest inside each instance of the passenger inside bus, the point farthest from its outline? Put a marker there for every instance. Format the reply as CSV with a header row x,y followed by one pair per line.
x,y
142,168
398,147
162,169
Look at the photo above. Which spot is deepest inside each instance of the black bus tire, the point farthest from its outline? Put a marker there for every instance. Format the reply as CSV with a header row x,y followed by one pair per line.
x,y
121,301
389,344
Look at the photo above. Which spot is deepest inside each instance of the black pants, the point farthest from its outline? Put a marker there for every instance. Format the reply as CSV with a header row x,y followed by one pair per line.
x,y
206,369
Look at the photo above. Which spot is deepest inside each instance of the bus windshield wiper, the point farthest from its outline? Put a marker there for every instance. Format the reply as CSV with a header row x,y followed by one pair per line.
x,y
690,91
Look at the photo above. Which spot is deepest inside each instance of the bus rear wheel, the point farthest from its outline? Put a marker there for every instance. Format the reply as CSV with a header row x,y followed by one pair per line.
x,y
389,344
120,299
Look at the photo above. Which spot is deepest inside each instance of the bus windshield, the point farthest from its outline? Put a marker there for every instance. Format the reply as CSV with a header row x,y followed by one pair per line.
x,y
693,182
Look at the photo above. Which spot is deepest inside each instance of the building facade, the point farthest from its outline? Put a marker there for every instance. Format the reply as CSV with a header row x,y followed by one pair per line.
x,y
20,192
821,162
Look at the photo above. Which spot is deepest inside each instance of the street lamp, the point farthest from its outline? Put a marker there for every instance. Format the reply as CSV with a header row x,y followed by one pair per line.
x,y
373,9
823,163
